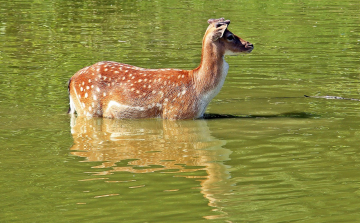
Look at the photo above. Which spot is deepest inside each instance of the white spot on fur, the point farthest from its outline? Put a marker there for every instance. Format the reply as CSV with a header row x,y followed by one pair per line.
x,y
161,94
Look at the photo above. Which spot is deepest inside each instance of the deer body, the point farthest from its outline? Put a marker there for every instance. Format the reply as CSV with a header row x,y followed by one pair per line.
x,y
115,90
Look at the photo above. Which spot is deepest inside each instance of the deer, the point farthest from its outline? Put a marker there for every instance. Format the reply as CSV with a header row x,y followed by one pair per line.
x,y
120,91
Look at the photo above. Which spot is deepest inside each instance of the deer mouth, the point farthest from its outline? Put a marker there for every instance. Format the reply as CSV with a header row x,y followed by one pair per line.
x,y
249,47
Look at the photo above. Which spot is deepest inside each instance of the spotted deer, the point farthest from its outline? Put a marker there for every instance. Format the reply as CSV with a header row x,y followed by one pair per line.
x,y
116,90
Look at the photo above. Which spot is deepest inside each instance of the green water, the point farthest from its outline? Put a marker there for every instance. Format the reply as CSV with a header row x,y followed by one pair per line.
x,y
278,157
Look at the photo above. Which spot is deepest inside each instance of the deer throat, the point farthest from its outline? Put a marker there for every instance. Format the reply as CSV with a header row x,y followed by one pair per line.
x,y
208,95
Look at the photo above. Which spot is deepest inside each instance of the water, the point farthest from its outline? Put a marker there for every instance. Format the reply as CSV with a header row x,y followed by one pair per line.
x,y
277,157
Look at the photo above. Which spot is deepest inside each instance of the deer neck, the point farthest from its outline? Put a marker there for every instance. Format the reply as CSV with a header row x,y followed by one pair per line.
x,y
209,77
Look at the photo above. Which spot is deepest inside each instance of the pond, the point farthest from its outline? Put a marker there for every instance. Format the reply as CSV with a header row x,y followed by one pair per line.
x,y
265,153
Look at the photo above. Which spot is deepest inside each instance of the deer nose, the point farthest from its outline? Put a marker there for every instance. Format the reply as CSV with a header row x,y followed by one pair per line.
x,y
249,45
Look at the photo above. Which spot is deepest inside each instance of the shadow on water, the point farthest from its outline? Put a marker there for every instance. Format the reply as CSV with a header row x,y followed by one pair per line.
x,y
282,115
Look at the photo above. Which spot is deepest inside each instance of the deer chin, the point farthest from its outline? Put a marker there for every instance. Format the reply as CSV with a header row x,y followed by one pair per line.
x,y
232,53
249,50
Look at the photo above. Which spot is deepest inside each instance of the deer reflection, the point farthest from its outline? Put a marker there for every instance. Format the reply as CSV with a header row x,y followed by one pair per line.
x,y
154,145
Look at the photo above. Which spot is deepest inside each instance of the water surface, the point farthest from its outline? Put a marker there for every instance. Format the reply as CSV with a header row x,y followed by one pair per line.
x,y
268,155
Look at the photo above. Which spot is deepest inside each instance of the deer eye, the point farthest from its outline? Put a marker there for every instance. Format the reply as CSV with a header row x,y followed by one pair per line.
x,y
230,37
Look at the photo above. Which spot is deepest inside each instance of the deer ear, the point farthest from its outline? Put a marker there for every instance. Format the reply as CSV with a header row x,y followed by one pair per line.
x,y
220,29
